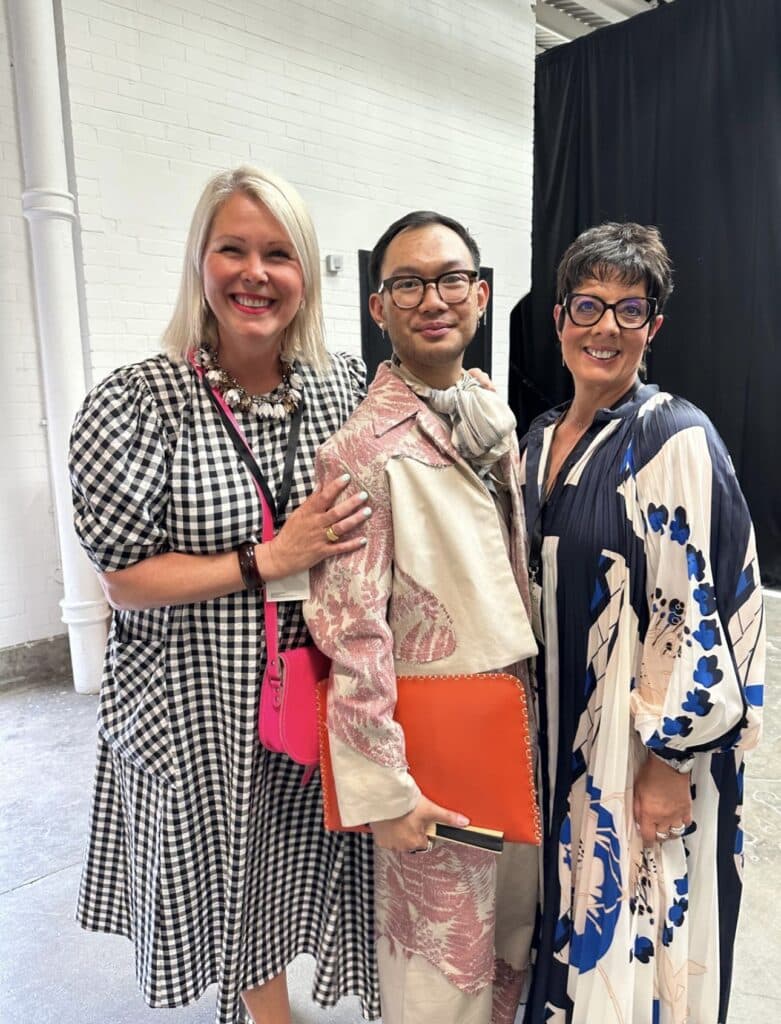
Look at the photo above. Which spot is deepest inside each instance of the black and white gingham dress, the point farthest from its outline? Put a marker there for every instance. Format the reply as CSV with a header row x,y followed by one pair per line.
x,y
204,848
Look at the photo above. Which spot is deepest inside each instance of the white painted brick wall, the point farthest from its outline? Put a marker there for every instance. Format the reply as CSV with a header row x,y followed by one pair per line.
x,y
371,109
30,580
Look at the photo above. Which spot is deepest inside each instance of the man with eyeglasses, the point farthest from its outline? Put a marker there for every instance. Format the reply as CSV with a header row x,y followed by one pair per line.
x,y
440,587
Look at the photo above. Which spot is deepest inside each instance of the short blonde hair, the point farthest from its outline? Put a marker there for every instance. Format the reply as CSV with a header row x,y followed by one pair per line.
x,y
193,322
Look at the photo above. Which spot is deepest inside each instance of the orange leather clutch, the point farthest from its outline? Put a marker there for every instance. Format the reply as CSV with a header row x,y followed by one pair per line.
x,y
468,747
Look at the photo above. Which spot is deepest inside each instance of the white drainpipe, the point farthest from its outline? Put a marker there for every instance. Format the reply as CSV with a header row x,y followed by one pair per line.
x,y
50,210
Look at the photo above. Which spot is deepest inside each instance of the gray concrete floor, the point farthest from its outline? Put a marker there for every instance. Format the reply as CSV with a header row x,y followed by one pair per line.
x,y
51,971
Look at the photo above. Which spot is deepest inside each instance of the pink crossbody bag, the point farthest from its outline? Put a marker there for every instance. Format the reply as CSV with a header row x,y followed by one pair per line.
x,y
287,718
287,715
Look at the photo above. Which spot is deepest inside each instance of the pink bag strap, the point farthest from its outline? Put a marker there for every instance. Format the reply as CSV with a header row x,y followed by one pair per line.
x,y
267,531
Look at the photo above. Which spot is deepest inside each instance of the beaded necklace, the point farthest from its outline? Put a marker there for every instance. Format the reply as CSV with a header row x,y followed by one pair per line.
x,y
271,406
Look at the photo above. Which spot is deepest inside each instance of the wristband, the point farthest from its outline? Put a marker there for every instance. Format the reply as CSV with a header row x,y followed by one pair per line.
x,y
248,566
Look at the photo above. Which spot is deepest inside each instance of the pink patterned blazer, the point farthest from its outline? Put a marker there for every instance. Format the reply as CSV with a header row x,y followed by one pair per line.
x,y
432,591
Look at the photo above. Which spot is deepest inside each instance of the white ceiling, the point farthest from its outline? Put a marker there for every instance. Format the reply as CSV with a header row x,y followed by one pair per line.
x,y
561,21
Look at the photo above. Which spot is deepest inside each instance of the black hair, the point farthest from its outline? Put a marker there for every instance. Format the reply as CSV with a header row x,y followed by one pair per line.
x,y
630,252
416,219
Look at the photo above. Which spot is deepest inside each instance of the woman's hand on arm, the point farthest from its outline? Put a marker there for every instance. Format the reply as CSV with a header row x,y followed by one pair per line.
x,y
482,378
662,798
174,578
408,832
302,542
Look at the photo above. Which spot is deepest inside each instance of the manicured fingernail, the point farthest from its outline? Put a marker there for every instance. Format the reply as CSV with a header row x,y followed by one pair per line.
x,y
366,511
462,820
363,495
364,542
345,478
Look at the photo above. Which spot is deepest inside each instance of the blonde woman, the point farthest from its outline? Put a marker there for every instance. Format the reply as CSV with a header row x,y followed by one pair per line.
x,y
205,849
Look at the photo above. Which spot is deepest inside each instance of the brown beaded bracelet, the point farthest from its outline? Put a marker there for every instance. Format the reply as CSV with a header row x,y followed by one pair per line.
x,y
248,566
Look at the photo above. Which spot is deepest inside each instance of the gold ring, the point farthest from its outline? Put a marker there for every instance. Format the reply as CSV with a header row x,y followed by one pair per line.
x,y
331,535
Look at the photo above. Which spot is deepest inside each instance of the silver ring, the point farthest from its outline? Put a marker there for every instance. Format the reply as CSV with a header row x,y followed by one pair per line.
x,y
677,830
424,849
661,836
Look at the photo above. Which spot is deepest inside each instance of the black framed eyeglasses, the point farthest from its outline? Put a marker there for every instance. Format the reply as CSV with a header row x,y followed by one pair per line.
x,y
587,310
407,291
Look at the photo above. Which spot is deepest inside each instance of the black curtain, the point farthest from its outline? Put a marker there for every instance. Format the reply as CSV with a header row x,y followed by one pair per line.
x,y
673,118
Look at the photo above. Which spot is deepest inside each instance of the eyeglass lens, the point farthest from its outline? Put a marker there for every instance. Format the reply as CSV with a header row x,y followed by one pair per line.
x,y
586,310
408,292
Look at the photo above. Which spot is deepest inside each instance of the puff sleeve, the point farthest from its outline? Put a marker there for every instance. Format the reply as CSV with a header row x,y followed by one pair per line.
x,y
119,473
352,369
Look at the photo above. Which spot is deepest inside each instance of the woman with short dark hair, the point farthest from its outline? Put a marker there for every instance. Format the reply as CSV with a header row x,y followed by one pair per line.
x,y
649,619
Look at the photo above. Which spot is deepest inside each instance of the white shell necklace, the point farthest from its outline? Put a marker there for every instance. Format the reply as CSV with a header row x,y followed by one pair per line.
x,y
272,406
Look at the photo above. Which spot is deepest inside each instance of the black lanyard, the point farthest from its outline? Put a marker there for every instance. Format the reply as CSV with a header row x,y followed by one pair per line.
x,y
279,504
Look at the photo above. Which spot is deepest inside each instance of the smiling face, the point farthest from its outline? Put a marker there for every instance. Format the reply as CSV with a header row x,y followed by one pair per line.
x,y
430,340
604,359
252,278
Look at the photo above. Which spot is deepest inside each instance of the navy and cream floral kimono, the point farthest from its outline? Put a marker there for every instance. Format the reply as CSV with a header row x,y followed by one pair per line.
x,y
653,639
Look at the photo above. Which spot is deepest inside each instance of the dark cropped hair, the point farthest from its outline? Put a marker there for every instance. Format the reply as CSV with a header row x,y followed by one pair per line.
x,y
417,219
629,252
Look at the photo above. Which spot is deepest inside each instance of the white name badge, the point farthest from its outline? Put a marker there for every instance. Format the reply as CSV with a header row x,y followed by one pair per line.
x,y
289,588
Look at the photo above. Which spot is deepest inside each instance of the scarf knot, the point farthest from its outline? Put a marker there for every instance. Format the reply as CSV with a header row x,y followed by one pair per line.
x,y
482,422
